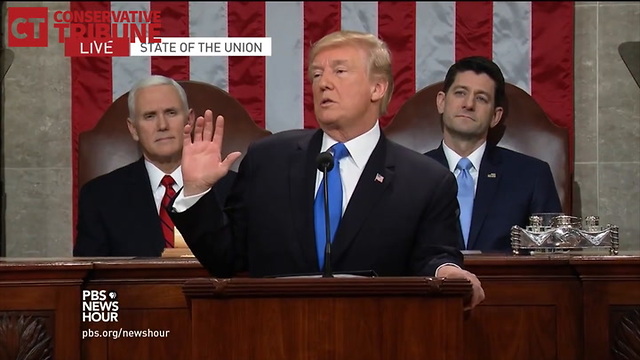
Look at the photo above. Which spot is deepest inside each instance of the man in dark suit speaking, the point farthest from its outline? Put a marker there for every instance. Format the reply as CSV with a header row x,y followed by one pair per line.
x,y
498,188
396,210
121,213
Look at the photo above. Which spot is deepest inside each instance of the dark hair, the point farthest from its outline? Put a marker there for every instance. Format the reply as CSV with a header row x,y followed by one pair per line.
x,y
479,65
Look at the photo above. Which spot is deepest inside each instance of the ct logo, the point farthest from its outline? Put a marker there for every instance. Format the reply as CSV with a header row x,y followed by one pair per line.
x,y
28,26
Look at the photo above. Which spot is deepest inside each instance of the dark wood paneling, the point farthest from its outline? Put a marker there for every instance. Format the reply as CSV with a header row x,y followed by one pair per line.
x,y
327,318
331,328
50,287
532,310
512,332
537,307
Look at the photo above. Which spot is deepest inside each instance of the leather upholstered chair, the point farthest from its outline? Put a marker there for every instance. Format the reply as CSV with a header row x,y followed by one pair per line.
x,y
524,128
109,145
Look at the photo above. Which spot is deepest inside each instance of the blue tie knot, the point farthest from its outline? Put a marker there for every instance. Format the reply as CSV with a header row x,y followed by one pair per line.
x,y
339,151
464,164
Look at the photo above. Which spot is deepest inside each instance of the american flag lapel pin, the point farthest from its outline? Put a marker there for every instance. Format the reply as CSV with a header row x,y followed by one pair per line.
x,y
379,178
491,175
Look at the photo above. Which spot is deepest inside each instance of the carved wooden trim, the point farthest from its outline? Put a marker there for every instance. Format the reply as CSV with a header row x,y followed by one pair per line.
x,y
25,336
625,344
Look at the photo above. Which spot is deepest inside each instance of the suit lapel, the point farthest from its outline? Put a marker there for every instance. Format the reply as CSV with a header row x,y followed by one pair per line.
x,y
442,159
488,180
302,179
439,156
143,205
376,177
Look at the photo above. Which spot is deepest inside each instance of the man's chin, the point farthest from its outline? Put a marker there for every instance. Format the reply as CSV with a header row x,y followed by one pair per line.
x,y
165,156
466,134
327,121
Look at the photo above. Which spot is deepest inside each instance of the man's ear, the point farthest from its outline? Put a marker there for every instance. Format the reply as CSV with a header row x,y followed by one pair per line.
x,y
191,118
440,101
497,116
378,89
132,130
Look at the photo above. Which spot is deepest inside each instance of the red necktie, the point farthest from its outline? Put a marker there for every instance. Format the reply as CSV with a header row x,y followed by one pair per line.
x,y
166,223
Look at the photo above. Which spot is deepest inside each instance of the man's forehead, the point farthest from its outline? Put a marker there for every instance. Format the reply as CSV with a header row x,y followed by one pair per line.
x,y
338,54
321,61
165,104
159,88
167,93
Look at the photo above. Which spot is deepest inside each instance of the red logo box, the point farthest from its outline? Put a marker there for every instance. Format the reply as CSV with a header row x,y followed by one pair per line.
x,y
28,26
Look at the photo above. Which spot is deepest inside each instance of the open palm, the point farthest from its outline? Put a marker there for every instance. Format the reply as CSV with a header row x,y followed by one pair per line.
x,y
202,163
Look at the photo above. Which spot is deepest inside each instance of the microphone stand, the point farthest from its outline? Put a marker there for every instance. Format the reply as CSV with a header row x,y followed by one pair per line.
x,y
327,247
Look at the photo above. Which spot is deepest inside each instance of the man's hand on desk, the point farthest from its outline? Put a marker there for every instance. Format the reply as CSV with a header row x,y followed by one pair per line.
x,y
454,272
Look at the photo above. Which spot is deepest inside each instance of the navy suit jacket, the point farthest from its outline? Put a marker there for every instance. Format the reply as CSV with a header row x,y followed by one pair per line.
x,y
402,224
511,187
117,215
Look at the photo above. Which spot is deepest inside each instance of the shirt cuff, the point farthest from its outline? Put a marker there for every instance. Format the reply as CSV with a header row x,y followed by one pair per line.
x,y
182,203
445,264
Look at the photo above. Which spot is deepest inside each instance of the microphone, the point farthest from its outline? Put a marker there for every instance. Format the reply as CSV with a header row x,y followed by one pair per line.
x,y
325,164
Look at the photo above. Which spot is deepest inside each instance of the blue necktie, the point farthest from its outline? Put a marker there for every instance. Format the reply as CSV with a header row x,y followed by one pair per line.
x,y
465,197
335,202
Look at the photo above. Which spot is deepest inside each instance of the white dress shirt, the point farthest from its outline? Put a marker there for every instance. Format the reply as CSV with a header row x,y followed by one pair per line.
x,y
155,178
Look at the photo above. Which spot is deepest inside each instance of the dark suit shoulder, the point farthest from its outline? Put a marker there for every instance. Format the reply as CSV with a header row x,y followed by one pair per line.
x,y
431,153
417,160
528,167
115,178
282,138
500,154
512,156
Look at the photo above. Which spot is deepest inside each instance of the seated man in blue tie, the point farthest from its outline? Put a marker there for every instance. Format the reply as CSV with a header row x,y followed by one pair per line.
x,y
497,187
123,213
396,210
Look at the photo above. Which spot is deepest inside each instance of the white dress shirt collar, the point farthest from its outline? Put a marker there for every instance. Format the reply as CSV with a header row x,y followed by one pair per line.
x,y
360,148
475,157
156,175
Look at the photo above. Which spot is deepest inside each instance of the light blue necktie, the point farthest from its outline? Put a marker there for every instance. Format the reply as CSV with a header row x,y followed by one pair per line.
x,y
465,197
335,202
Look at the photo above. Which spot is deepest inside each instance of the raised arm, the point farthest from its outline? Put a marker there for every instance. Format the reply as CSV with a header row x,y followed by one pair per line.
x,y
202,163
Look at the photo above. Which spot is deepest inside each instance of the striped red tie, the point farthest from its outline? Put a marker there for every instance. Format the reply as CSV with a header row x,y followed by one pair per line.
x,y
166,223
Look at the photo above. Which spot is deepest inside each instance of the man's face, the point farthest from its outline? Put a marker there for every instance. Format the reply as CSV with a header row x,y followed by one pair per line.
x,y
159,122
344,96
468,108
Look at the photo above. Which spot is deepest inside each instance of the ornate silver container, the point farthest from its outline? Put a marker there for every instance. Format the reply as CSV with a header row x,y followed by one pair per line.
x,y
563,233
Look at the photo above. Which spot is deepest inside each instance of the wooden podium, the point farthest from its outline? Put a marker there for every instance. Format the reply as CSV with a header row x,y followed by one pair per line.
x,y
327,318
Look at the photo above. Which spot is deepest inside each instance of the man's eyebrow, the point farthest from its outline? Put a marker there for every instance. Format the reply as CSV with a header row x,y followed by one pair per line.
x,y
467,88
332,63
460,87
339,62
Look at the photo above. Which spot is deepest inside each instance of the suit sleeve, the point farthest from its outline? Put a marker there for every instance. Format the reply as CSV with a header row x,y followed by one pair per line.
x,y
438,231
214,232
92,237
545,195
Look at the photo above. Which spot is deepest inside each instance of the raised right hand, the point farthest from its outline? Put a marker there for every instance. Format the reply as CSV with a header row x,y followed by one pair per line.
x,y
202,164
